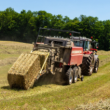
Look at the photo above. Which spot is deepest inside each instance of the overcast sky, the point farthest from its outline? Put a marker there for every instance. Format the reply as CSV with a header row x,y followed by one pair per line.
x,y
70,8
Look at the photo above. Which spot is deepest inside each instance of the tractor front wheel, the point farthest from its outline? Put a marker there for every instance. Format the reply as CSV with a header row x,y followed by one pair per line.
x,y
96,65
88,65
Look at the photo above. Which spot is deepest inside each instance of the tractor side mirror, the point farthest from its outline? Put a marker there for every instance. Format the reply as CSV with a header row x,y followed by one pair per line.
x,y
97,45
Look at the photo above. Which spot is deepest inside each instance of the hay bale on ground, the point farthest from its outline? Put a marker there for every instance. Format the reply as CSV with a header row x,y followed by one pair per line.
x,y
24,71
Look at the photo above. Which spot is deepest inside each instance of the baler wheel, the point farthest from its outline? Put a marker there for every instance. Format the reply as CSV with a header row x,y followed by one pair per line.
x,y
75,74
82,78
87,65
96,65
69,76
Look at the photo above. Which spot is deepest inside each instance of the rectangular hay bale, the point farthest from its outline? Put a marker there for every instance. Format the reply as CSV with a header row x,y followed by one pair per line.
x,y
24,71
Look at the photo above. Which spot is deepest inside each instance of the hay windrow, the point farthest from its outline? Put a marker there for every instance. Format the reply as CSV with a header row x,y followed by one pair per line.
x,y
24,71
6,61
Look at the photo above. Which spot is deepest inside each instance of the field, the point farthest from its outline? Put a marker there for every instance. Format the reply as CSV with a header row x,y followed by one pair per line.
x,y
93,92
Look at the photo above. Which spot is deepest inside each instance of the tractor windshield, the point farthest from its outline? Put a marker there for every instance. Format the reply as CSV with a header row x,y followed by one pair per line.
x,y
85,44
78,43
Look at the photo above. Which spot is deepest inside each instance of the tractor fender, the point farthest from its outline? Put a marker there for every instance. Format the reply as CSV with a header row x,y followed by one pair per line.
x,y
95,57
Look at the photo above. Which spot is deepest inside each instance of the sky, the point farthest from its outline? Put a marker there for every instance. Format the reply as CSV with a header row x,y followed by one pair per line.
x,y
70,8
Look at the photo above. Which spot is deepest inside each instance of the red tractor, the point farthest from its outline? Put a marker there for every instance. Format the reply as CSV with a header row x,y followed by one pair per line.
x,y
66,58
70,57
90,62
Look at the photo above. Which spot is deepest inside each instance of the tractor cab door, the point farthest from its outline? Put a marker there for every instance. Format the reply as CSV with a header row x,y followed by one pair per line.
x,y
87,45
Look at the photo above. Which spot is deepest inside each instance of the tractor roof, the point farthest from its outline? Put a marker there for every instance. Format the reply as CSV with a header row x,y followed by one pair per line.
x,y
80,38
59,30
60,39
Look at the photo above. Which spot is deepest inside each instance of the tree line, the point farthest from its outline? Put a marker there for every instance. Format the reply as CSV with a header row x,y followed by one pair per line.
x,y
24,26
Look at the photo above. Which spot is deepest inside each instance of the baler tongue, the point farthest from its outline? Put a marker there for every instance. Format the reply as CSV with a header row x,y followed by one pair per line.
x,y
26,69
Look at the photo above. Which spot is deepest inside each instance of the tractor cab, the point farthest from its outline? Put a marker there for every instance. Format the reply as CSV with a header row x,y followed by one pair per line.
x,y
90,62
86,43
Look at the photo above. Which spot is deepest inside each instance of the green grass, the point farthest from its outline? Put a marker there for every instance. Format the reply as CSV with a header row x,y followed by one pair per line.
x,y
3,56
53,96
57,96
103,57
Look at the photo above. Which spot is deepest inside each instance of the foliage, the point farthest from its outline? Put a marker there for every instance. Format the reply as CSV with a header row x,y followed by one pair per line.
x,y
24,26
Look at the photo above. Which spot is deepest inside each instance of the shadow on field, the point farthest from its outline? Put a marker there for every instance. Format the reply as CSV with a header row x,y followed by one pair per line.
x,y
50,79
6,87
43,80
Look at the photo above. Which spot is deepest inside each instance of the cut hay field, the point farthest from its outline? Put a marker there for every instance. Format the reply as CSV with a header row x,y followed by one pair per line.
x,y
91,94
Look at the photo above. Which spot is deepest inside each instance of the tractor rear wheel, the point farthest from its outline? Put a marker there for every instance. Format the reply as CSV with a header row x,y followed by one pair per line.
x,y
96,65
69,76
87,65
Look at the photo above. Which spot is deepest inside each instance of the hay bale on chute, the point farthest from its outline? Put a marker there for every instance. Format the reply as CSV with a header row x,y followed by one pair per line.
x,y
24,71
